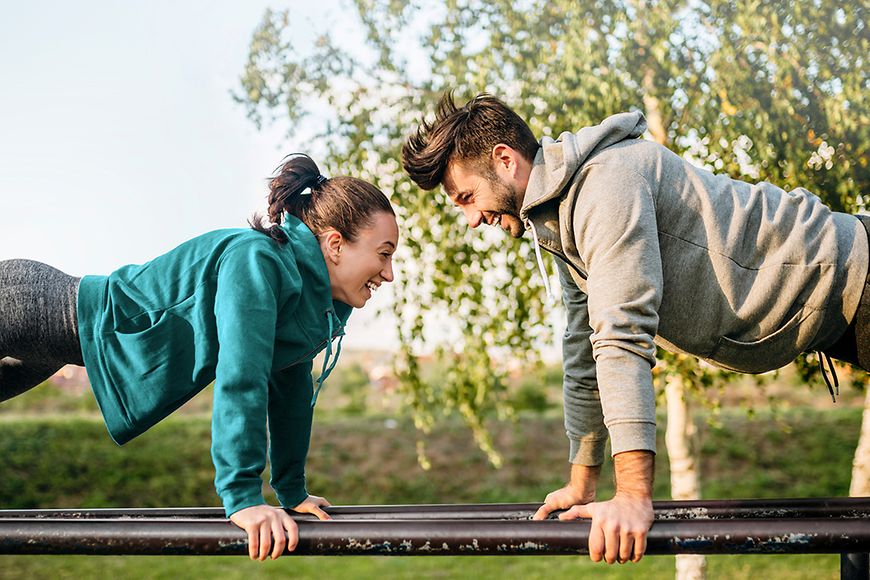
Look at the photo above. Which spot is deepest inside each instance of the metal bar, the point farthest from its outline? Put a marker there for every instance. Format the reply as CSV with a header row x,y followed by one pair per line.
x,y
854,566
408,537
850,507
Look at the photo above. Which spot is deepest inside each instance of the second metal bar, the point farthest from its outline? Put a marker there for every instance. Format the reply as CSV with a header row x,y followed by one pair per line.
x,y
853,507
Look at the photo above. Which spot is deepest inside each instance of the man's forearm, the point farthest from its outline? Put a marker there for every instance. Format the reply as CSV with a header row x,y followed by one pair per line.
x,y
634,473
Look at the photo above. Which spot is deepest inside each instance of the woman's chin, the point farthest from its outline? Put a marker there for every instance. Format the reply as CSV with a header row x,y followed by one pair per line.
x,y
365,296
357,301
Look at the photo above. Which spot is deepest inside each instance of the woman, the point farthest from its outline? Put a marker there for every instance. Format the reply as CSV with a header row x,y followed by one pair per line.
x,y
247,309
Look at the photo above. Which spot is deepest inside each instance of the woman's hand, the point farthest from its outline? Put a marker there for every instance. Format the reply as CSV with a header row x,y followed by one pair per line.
x,y
262,522
311,505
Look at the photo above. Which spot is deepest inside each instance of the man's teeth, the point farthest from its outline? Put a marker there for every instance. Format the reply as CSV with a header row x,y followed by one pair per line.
x,y
371,286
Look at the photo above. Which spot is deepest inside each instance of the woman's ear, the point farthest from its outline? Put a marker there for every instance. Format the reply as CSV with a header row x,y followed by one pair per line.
x,y
331,243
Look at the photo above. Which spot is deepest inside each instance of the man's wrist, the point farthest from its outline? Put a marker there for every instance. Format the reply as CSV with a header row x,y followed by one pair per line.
x,y
634,474
584,480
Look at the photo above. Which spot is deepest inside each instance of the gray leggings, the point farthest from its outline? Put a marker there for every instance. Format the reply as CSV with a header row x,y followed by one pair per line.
x,y
38,324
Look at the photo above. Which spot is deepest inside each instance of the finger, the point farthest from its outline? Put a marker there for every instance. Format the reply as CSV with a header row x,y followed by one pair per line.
x,y
626,546
321,515
611,544
639,547
596,542
292,533
543,512
265,540
279,538
577,511
253,542
323,502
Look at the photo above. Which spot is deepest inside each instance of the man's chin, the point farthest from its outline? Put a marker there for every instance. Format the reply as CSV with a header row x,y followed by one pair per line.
x,y
517,229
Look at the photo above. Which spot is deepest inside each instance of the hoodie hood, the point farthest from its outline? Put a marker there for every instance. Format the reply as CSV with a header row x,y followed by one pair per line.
x,y
558,160
309,258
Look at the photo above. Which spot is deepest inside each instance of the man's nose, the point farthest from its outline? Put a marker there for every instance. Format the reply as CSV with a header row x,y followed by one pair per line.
x,y
473,216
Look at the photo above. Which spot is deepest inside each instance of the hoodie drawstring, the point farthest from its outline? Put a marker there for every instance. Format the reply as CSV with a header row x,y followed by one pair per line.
x,y
541,262
822,357
327,365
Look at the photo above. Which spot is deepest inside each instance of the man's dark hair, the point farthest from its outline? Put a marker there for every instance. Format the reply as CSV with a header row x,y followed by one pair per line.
x,y
465,134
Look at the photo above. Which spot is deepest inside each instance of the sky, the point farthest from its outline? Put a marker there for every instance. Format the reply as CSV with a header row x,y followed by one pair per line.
x,y
119,138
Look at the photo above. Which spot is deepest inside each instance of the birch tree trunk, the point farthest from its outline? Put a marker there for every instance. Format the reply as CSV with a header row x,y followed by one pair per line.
x,y
861,464
685,479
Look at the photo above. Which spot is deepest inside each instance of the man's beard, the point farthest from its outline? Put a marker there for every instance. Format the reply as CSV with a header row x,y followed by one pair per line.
x,y
506,197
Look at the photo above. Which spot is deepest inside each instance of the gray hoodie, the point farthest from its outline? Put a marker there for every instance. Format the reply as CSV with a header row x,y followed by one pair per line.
x,y
658,251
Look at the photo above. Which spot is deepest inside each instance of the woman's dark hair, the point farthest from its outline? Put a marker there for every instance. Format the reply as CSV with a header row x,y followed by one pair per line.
x,y
466,134
344,204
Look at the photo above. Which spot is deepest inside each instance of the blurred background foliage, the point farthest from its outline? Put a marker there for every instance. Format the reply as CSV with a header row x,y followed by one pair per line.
x,y
759,90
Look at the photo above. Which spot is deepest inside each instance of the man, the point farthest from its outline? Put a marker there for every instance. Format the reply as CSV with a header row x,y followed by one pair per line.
x,y
650,248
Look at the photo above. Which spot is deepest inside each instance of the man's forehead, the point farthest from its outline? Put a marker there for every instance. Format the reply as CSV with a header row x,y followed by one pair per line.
x,y
456,177
448,184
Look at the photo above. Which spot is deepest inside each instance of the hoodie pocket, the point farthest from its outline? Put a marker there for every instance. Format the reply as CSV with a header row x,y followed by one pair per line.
x,y
766,354
155,368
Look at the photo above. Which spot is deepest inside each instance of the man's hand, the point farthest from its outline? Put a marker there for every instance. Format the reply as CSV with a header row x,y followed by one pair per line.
x,y
580,490
620,526
262,522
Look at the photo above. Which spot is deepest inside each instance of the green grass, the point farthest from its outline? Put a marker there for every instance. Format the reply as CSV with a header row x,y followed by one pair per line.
x,y
73,463
810,567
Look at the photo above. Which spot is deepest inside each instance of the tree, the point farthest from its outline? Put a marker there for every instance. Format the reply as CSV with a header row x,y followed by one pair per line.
x,y
760,90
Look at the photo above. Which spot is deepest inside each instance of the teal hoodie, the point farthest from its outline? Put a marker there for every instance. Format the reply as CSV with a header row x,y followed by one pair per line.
x,y
230,306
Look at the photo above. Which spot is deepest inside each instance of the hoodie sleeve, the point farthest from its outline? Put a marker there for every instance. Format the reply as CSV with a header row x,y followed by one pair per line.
x,y
617,238
584,422
290,414
246,303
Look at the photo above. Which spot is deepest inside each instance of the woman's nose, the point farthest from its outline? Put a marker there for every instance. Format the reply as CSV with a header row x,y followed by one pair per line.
x,y
387,272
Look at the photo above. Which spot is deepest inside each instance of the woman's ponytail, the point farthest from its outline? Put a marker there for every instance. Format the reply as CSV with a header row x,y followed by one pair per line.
x,y
290,191
344,204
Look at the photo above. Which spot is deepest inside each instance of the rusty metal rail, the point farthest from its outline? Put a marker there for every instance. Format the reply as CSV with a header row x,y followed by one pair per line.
x,y
851,507
432,537
798,526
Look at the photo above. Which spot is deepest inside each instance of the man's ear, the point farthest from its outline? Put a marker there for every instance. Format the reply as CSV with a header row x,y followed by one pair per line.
x,y
505,159
331,243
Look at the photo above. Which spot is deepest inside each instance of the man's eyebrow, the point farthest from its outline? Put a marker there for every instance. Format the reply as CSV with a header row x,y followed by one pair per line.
x,y
389,243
